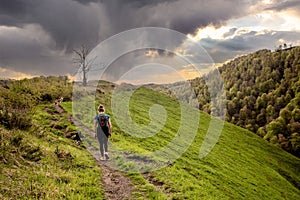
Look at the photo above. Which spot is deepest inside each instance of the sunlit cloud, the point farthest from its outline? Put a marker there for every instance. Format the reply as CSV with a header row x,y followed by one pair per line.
x,y
163,74
71,77
268,24
7,73
210,32
151,73
151,53
260,20
183,52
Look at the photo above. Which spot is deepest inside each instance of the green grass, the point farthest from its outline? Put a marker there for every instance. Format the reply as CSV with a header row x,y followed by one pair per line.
x,y
42,164
141,188
240,166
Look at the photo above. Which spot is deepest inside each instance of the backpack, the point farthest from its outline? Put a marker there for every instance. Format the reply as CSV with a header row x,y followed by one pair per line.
x,y
103,122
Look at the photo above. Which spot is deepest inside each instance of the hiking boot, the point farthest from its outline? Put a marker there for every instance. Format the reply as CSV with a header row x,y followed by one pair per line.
x,y
102,158
106,155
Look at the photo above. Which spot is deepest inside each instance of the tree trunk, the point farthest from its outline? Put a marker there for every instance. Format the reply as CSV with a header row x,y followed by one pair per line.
x,y
84,81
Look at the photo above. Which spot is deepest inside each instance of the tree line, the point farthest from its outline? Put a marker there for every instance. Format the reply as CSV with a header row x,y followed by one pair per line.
x,y
263,95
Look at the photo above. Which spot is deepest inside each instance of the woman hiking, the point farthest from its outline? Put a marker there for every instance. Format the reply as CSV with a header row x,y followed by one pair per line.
x,y
103,129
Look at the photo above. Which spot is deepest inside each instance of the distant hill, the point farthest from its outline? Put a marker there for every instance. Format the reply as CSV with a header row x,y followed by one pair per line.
x,y
263,95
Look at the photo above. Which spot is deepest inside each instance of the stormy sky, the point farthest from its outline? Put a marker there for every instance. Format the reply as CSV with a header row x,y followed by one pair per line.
x,y
37,36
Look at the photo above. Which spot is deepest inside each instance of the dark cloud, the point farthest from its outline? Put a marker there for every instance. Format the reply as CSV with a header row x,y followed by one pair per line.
x,y
73,22
230,32
14,6
138,3
30,51
15,12
182,15
69,23
87,1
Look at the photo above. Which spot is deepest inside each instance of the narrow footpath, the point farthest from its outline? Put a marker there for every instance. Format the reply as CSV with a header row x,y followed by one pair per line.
x,y
116,185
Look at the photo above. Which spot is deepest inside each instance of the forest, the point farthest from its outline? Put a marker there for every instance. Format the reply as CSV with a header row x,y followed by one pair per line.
x,y
262,95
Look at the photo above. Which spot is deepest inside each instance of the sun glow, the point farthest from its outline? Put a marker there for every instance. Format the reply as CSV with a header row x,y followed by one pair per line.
x,y
210,32
7,73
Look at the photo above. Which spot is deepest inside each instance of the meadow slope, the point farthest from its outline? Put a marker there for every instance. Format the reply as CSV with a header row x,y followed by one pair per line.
x,y
39,158
240,166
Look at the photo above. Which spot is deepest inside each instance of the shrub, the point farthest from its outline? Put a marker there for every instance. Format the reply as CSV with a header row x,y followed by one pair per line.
x,y
16,109
15,147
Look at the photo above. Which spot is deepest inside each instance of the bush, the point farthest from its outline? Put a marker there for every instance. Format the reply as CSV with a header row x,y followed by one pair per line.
x,y
16,112
17,98
15,147
295,141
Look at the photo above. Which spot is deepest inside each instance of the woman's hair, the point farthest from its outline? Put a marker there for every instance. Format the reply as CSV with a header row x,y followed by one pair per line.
x,y
101,108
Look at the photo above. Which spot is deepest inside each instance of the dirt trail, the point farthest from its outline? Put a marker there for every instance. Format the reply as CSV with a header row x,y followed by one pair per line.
x,y
116,185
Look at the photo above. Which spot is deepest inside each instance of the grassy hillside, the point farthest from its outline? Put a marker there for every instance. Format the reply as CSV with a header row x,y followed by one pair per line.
x,y
39,161
240,166
262,90
39,158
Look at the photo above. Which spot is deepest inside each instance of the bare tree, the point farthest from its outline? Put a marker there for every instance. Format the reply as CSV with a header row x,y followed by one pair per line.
x,y
81,59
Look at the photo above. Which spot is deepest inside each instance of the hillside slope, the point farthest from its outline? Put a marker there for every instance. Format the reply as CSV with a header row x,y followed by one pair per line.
x,y
40,162
263,95
240,166
39,157
40,154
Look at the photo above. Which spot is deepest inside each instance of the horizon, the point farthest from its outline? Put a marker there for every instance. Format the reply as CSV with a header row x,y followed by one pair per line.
x,y
119,82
